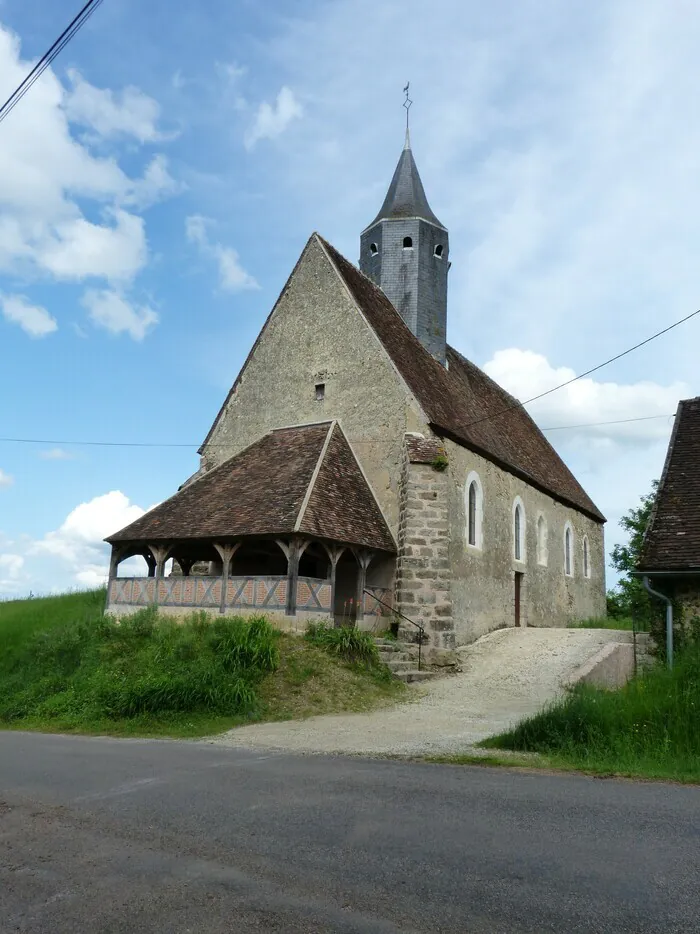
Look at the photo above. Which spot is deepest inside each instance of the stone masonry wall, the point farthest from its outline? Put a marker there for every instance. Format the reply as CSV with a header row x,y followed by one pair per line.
x,y
423,574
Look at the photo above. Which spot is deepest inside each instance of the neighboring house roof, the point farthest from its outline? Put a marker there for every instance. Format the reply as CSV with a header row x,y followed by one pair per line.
x,y
406,195
293,480
672,539
462,402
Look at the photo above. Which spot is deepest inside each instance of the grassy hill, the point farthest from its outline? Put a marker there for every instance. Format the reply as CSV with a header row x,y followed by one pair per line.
x,y
65,667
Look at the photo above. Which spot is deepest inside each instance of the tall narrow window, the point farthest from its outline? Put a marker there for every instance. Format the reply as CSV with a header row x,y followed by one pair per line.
x,y
518,531
542,555
586,559
438,251
474,508
472,513
568,537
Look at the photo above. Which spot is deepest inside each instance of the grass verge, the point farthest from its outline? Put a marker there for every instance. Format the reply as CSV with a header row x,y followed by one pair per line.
x,y
647,729
603,622
64,667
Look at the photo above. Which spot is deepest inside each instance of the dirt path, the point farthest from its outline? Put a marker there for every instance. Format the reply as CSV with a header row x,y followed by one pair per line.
x,y
506,675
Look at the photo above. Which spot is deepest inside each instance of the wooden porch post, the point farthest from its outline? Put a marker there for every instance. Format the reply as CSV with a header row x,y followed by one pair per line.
x,y
114,559
225,552
363,559
334,554
160,556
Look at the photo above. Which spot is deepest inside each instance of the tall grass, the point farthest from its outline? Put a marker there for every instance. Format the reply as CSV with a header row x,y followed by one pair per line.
x,y
649,727
603,622
346,642
93,668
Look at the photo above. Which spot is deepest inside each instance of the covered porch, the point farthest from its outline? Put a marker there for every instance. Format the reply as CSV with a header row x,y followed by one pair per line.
x,y
291,580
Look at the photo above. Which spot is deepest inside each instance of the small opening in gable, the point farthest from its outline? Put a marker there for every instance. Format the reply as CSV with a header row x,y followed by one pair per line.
x,y
320,389
373,249
438,251
407,243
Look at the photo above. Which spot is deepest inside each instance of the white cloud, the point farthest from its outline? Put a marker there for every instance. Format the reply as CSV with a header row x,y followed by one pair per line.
x,y
5,479
62,204
79,539
111,114
272,120
55,454
11,565
526,374
113,312
33,319
232,276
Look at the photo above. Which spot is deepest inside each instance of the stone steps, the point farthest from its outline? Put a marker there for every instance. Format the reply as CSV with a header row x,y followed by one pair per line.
x,y
401,659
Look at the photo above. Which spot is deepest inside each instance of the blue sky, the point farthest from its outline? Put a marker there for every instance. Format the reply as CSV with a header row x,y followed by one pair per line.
x,y
159,182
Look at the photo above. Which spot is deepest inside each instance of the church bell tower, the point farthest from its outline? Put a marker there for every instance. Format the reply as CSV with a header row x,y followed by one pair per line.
x,y
405,251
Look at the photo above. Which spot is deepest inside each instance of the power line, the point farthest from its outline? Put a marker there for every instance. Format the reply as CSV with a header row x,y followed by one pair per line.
x,y
593,369
37,71
156,444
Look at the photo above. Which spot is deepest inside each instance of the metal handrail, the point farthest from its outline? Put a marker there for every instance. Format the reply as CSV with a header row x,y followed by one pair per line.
x,y
411,621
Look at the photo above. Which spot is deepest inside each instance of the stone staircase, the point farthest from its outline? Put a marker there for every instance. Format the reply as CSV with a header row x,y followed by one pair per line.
x,y
401,658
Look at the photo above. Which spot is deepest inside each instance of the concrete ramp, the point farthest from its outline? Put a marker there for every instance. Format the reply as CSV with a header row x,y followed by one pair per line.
x,y
506,675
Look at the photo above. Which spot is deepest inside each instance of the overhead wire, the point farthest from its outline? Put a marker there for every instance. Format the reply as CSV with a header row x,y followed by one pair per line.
x,y
48,57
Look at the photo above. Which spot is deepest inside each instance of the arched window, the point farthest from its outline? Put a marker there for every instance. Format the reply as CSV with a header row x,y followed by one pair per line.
x,y
586,558
568,551
373,249
542,554
407,243
438,251
518,530
474,507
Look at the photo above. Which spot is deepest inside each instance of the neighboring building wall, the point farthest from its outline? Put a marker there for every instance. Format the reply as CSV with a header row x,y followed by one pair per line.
x,y
317,335
686,592
483,578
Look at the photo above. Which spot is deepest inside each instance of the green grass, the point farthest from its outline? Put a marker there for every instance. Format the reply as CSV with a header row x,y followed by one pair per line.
x,y
603,622
346,642
64,667
647,729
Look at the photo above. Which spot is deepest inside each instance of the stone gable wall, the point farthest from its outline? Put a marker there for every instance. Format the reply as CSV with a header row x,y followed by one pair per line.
x,y
317,335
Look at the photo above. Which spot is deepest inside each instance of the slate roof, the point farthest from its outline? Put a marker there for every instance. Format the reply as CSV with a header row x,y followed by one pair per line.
x,y
422,450
672,540
303,479
406,196
462,402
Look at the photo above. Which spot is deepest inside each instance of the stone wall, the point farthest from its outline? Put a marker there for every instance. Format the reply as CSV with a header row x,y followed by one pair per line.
x,y
423,567
483,577
317,335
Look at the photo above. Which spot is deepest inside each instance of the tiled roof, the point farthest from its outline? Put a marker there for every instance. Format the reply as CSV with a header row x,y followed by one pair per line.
x,y
303,479
456,399
423,450
672,540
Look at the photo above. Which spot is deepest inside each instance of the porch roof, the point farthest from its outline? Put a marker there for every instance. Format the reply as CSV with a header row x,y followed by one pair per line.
x,y
302,480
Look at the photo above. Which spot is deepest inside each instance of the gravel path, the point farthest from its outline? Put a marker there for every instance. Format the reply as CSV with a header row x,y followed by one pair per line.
x,y
506,675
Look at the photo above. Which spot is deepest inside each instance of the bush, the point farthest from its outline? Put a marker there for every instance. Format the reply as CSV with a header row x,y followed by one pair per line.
x,y
352,645
144,664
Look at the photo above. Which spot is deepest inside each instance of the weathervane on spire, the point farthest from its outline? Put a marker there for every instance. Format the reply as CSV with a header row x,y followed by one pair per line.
x,y
407,103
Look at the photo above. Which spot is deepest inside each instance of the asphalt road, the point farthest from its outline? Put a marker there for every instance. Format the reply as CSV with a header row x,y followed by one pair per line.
x,y
104,835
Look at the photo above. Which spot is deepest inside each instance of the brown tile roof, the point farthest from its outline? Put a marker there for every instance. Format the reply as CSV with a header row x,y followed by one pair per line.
x,y
422,450
672,540
457,398
302,479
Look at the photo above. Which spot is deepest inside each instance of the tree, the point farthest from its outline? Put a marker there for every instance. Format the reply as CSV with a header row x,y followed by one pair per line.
x,y
630,598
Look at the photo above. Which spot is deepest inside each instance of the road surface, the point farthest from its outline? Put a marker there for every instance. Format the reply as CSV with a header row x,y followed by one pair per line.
x,y
113,836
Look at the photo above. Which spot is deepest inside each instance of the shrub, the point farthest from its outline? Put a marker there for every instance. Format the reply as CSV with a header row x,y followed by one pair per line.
x,y
352,645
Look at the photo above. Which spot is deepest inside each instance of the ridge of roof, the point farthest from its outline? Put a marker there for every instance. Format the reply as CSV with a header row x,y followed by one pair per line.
x,y
457,397
314,477
672,538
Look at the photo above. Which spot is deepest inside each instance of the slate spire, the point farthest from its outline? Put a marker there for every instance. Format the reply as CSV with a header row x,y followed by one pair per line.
x,y
405,252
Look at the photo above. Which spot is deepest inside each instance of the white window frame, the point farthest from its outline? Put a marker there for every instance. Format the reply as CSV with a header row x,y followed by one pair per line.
x,y
542,541
517,502
478,513
568,530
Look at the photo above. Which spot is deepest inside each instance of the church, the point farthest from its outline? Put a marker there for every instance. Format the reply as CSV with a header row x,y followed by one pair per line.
x,y
361,467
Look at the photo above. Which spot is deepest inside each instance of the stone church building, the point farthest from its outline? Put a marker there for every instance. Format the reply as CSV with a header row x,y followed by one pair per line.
x,y
359,462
